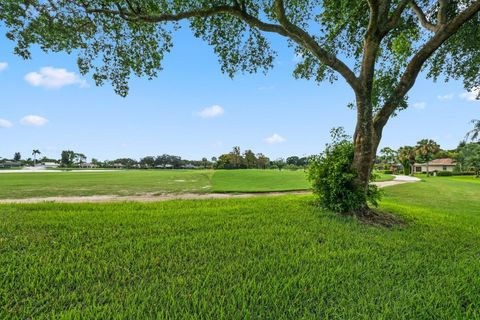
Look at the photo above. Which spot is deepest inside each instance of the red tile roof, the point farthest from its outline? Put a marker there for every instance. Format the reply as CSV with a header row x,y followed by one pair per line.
x,y
442,162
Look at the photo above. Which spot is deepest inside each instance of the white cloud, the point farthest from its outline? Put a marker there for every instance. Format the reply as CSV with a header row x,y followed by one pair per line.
x,y
211,112
445,97
5,123
32,120
54,78
275,138
471,95
3,66
419,105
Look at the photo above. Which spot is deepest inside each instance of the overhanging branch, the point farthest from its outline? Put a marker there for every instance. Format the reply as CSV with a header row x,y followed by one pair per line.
x,y
415,65
286,29
302,38
422,17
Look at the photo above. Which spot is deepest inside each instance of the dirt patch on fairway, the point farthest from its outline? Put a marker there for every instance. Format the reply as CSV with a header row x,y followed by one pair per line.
x,y
150,197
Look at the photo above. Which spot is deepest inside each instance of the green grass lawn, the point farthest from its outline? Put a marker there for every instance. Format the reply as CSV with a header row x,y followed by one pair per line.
x,y
383,177
263,258
123,183
136,182
258,180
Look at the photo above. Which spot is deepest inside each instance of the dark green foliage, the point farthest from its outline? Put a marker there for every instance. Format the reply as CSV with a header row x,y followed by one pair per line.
x,y
385,171
67,158
444,173
236,160
469,156
117,39
334,179
474,134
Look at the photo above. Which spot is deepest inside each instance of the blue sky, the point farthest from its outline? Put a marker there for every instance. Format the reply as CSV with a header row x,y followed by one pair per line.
x,y
274,114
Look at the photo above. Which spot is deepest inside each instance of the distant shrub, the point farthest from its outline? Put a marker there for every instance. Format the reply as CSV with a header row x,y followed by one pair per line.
x,y
467,173
333,178
386,171
444,173
291,167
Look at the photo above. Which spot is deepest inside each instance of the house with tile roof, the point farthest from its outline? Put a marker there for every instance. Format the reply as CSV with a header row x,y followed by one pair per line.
x,y
437,165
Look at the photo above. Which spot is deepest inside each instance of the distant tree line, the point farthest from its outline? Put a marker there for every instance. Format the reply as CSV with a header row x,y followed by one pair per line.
x,y
232,160
466,155
250,160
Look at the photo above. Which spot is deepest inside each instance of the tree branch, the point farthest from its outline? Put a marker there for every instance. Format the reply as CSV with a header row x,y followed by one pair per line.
x,y
413,68
442,12
199,13
303,39
395,17
286,29
370,47
422,18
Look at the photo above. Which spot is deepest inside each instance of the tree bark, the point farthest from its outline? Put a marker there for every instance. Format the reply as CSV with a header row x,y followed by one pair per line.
x,y
366,142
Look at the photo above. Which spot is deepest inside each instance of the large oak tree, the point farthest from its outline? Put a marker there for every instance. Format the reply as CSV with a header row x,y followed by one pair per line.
x,y
378,47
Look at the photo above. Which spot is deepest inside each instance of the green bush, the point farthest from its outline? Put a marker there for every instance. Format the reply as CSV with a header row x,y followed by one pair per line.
x,y
444,174
385,171
291,167
466,173
333,178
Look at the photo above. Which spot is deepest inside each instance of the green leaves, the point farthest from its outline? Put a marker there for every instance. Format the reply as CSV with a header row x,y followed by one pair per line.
x,y
333,178
117,39
459,56
239,47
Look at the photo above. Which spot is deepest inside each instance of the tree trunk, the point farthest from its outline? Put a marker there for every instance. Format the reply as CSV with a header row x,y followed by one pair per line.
x,y
366,142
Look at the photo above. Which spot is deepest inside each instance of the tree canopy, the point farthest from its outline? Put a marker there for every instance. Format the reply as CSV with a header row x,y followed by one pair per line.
x,y
115,39
474,134
379,47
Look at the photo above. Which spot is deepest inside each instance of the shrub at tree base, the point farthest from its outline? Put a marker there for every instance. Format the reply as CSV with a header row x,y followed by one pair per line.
x,y
333,179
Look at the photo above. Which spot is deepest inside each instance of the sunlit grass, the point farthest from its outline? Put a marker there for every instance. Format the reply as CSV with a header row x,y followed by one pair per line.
x,y
267,258
123,183
259,180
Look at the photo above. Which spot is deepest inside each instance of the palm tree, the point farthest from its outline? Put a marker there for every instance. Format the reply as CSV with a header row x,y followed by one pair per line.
x,y
425,149
389,157
474,134
406,155
34,154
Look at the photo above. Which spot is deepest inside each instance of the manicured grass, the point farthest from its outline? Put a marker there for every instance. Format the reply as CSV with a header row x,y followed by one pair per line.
x,y
258,180
456,198
28,185
383,177
123,183
263,258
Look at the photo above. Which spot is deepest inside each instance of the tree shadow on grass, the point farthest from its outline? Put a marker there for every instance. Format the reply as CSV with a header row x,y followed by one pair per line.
x,y
372,217
377,218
